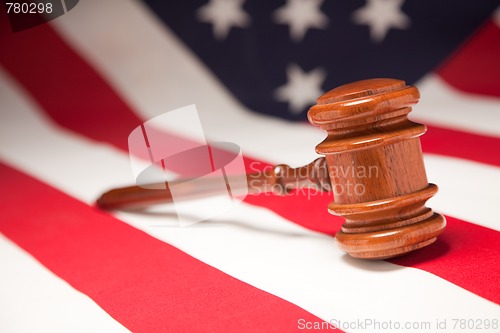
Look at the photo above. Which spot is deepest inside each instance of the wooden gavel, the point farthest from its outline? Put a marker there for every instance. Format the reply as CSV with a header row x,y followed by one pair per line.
x,y
373,164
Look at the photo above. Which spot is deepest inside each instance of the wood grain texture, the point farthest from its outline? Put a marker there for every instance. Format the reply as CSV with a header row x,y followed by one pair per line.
x,y
376,168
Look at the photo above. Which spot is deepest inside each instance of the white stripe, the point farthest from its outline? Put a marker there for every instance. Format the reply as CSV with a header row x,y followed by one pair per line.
x,y
33,299
442,105
254,245
467,190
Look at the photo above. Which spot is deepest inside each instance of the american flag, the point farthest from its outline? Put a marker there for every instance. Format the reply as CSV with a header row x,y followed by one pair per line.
x,y
73,89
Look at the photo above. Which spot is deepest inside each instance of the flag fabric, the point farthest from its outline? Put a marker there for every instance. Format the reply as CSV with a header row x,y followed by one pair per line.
x,y
72,90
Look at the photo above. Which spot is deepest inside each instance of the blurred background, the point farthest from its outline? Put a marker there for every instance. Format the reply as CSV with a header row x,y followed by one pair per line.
x,y
74,87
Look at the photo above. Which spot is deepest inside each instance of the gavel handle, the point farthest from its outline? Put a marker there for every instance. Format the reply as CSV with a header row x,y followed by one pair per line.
x,y
280,180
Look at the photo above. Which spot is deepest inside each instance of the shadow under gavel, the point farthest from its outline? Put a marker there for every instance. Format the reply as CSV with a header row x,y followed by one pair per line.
x,y
372,148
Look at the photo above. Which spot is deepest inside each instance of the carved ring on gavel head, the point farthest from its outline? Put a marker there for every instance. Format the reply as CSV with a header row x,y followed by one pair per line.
x,y
373,163
376,168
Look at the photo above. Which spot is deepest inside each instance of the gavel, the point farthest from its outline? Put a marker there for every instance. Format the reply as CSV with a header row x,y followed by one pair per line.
x,y
372,163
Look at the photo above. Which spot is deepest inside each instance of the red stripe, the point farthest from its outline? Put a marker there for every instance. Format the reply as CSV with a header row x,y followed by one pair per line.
x,y
465,254
306,208
69,90
475,147
145,284
310,212
475,68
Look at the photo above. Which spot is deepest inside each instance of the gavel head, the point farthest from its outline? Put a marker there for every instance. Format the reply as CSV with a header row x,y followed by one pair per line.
x,y
376,168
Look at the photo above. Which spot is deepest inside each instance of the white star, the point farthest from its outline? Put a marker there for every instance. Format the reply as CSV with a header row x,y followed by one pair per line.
x,y
381,15
301,15
302,89
223,15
